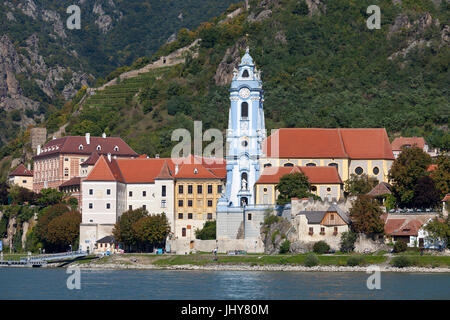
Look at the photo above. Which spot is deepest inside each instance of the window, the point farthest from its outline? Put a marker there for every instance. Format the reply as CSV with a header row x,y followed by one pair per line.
x,y
245,143
91,192
311,231
190,189
66,159
163,191
328,189
311,164
288,164
180,189
210,189
265,189
108,191
189,203
209,216
91,205
99,148
183,232
332,217
219,189
376,171
335,232
144,207
163,203
24,181
199,189
180,216
144,193
180,203
322,230
66,172
108,206
359,170
210,203
189,215
130,207
244,110
116,148
245,74
266,165
313,188
80,147
249,216
130,193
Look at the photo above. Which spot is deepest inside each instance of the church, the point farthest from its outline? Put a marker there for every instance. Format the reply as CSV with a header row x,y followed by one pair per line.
x,y
255,162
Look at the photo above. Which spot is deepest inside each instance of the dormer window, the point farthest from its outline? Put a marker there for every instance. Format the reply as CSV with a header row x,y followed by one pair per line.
x,y
99,148
245,74
195,171
116,148
80,147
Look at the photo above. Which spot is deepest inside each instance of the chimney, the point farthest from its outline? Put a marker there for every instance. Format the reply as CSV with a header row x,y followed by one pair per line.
x,y
29,167
104,135
88,138
38,151
109,157
176,169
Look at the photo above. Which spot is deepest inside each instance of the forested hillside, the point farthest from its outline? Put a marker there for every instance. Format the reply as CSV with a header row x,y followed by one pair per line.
x,y
321,67
43,63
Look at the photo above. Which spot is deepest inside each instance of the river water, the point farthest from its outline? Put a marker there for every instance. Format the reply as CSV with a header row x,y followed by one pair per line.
x,y
25,283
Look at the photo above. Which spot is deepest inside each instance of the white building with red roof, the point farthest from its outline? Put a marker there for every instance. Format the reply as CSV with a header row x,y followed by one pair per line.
x,y
22,177
407,142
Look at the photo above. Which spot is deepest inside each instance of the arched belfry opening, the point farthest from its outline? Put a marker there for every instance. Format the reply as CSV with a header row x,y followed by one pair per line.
x,y
245,74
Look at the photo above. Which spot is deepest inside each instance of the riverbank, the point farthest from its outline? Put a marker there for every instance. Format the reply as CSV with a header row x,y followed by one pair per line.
x,y
326,263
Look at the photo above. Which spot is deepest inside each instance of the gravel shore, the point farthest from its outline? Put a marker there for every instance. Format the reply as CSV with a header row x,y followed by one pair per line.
x,y
243,267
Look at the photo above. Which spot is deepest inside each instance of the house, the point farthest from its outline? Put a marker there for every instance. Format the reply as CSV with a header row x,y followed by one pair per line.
x,y
59,160
380,191
350,151
327,225
325,182
185,191
22,177
106,244
402,142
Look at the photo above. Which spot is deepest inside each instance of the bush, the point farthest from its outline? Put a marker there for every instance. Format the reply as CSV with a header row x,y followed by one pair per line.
x,y
285,246
400,246
355,261
348,240
321,247
208,232
311,260
401,262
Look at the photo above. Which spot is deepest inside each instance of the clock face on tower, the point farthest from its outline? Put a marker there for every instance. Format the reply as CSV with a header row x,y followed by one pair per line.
x,y
244,93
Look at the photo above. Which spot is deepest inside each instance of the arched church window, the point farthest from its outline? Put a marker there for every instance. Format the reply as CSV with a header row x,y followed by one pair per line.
x,y
244,181
267,165
245,74
288,164
311,164
244,110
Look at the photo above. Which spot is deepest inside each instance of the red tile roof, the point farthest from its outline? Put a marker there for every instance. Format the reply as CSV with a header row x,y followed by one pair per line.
x,y
447,197
195,171
104,170
402,227
165,172
72,182
398,143
143,170
393,224
71,145
21,171
330,143
316,175
91,160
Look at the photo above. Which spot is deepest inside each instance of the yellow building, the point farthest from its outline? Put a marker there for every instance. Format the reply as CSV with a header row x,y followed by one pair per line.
x,y
325,182
197,190
351,151
21,177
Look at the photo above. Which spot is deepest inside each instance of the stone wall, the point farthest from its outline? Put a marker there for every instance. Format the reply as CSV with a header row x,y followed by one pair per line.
x,y
182,246
38,137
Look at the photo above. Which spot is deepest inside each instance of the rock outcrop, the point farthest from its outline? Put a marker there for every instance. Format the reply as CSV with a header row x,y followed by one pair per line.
x,y
224,72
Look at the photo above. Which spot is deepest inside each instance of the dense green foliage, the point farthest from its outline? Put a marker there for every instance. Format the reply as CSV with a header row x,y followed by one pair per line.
x,y
354,261
439,231
311,260
321,247
294,185
400,246
348,240
151,230
285,246
359,184
327,70
365,215
401,262
208,232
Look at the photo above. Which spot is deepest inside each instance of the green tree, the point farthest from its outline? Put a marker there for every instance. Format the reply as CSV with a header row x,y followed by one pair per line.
x,y
20,195
64,231
438,230
348,240
285,246
41,230
441,175
359,184
208,232
123,229
73,203
49,197
365,215
321,247
411,164
152,229
3,193
293,185
425,193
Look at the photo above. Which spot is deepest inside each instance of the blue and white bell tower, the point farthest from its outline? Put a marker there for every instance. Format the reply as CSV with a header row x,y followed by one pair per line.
x,y
245,134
